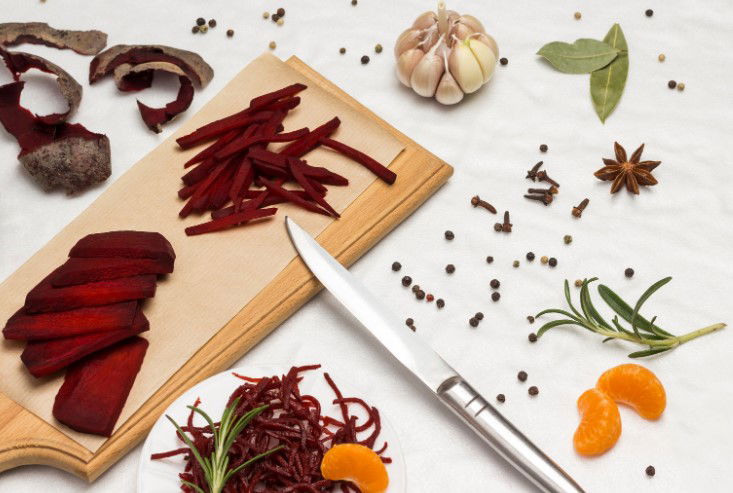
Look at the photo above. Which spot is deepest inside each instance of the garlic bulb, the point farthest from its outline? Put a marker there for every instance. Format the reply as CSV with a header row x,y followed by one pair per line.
x,y
445,55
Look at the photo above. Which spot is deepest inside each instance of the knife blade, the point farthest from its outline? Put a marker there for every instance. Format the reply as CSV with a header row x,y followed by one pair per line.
x,y
428,367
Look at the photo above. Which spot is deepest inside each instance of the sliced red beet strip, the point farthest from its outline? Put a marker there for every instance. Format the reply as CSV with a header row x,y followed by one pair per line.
x,y
271,97
200,196
154,118
212,148
95,389
242,180
268,157
229,221
129,244
84,270
220,127
305,144
289,136
270,170
322,175
369,163
292,197
220,189
308,187
45,357
45,298
200,172
71,322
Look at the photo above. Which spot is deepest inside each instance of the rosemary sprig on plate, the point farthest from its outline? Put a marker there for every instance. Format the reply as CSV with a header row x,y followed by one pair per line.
x,y
642,332
216,466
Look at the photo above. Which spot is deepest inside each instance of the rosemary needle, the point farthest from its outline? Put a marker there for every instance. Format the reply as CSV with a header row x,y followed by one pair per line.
x,y
642,332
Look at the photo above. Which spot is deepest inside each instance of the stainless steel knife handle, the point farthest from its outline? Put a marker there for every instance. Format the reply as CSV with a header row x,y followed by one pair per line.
x,y
504,438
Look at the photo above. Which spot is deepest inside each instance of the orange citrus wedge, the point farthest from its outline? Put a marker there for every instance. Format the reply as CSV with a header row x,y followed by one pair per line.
x,y
600,423
635,386
357,464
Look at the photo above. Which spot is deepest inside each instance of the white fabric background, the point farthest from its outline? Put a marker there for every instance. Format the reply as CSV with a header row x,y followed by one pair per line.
x,y
680,228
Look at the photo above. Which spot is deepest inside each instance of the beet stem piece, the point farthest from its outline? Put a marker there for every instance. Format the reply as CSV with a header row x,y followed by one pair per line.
x,y
95,390
69,323
369,163
85,270
306,144
45,357
45,298
129,244
229,221
292,197
308,187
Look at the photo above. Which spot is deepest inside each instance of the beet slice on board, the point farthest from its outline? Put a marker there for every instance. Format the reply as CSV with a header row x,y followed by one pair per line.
x,y
45,298
70,323
84,270
45,357
129,244
95,389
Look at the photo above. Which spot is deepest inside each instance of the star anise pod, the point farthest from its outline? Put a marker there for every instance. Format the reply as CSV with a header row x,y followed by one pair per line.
x,y
627,171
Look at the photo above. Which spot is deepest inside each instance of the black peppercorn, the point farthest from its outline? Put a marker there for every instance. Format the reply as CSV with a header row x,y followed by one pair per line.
x,y
530,319
396,266
495,296
532,337
500,398
440,302
530,256
503,61
650,471
671,84
450,268
195,29
552,261
230,32
409,322
274,17
406,281
420,294
449,235
416,288
281,12
543,148
200,21
479,315
629,272
364,60
342,50
354,2
649,12
522,376
473,322
489,259
495,284
212,22
533,390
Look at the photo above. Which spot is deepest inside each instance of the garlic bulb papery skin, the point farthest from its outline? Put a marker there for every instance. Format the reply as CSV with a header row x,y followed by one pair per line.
x,y
445,55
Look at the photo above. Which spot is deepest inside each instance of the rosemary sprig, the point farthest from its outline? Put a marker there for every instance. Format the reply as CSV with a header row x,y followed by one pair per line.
x,y
642,332
216,466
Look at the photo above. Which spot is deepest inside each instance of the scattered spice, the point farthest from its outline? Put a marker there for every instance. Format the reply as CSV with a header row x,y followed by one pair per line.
x,y
671,84
522,376
195,29
409,322
567,239
545,199
649,12
364,59
416,288
577,16
532,173
473,322
543,148
275,18
354,2
203,29
281,11
533,390
489,259
378,48
515,264
578,209
497,227
506,226
280,21
200,21
661,57
479,316
544,259
501,398
532,337
681,86
420,294
530,256
449,235
272,45
530,319
552,262
440,302
578,283
629,272
406,281
503,60
494,284
230,33
342,50
450,268
477,202
396,266
543,176
495,296
265,15
627,171
212,22
429,298
650,471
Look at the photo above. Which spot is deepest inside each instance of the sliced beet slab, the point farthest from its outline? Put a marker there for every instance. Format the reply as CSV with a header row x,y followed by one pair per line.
x,y
45,357
129,244
95,389
45,298
85,270
70,323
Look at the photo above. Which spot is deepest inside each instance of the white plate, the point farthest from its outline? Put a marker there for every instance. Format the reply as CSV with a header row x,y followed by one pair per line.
x,y
161,476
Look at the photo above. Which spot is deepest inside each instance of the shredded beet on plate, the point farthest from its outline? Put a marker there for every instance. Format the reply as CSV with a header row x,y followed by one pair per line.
x,y
293,420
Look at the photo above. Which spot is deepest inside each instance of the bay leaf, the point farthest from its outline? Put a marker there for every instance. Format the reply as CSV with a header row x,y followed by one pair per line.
x,y
607,84
582,57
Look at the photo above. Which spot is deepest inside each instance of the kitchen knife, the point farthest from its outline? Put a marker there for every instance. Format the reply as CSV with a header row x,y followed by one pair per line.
x,y
430,368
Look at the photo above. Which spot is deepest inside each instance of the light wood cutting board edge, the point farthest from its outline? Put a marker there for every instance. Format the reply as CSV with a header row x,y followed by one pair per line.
x,y
27,439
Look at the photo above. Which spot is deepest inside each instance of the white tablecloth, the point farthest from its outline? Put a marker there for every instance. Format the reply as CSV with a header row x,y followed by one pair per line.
x,y
680,227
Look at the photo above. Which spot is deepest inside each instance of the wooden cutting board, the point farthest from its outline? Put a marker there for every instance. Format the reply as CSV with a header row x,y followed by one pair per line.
x,y
28,439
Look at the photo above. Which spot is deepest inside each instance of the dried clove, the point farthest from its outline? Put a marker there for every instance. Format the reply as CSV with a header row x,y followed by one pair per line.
x,y
532,173
551,190
542,176
545,199
506,225
578,210
477,202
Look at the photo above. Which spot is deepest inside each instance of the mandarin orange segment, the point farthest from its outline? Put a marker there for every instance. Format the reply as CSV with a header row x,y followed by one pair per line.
x,y
600,423
357,464
635,386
